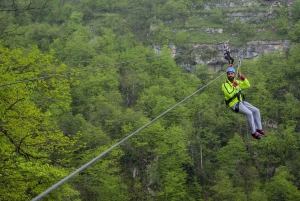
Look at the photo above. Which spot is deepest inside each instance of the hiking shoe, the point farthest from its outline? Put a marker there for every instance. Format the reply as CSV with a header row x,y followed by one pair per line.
x,y
256,135
261,132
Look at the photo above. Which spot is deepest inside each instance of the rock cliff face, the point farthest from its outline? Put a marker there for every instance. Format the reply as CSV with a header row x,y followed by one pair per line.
x,y
212,55
247,3
252,50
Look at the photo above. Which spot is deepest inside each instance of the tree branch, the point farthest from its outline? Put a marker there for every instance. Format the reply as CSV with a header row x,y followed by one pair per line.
x,y
19,149
10,107
25,154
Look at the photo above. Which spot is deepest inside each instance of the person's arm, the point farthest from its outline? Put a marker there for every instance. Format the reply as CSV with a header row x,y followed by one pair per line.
x,y
244,82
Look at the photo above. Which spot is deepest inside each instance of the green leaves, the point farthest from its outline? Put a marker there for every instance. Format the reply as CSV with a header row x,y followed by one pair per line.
x,y
103,179
78,49
294,34
224,189
29,132
198,151
295,11
282,22
281,186
233,154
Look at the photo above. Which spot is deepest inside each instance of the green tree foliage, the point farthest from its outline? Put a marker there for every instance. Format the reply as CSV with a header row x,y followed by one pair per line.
x,y
292,71
30,136
182,39
217,17
281,186
225,190
173,10
74,23
58,47
103,179
53,12
243,31
282,22
106,43
78,49
294,34
233,155
140,21
42,33
14,16
198,151
171,156
295,11
97,98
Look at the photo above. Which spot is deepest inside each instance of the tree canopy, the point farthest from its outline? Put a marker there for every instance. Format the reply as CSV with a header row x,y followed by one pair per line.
x,y
79,76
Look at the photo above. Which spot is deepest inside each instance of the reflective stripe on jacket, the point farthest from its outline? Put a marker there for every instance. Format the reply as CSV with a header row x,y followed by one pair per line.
x,y
229,90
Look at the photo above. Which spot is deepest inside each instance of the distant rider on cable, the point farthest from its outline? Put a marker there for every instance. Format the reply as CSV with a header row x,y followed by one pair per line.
x,y
227,55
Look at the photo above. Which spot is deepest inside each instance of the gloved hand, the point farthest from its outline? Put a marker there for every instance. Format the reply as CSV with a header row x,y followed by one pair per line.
x,y
235,84
242,77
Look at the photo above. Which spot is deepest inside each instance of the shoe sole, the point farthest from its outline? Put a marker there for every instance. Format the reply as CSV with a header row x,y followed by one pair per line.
x,y
264,135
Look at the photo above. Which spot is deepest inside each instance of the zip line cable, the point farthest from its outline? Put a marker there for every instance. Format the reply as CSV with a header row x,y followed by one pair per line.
x,y
120,142
69,72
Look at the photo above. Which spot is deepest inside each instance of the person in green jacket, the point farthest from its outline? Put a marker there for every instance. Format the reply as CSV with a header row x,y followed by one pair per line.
x,y
235,100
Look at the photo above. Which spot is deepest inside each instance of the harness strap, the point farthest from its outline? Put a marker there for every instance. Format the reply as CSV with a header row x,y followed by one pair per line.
x,y
232,98
238,96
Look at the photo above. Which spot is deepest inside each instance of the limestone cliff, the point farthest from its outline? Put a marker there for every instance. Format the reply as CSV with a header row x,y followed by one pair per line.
x,y
212,54
251,50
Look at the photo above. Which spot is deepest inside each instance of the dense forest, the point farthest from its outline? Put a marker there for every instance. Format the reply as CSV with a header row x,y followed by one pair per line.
x,y
79,76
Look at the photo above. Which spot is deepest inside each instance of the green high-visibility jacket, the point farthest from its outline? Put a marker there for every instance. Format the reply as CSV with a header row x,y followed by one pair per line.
x,y
230,91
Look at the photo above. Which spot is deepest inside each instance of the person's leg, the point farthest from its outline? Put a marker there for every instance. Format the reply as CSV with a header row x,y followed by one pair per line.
x,y
228,59
244,110
257,118
256,114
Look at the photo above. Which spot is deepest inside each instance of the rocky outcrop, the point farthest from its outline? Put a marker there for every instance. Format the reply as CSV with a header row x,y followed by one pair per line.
x,y
251,50
213,55
247,3
231,4
247,17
